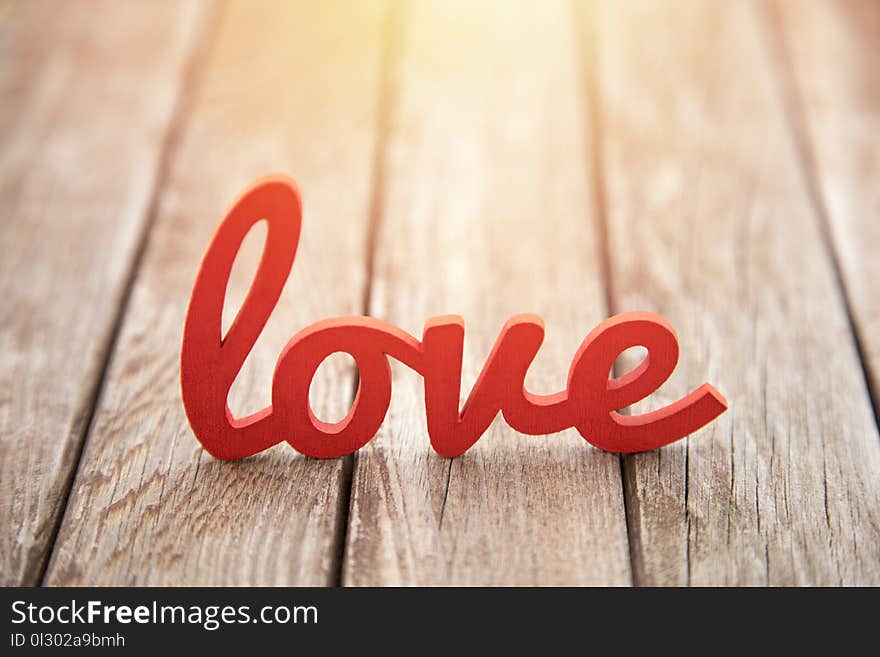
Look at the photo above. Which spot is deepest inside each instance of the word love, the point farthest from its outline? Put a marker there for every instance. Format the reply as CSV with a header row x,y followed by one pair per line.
x,y
210,363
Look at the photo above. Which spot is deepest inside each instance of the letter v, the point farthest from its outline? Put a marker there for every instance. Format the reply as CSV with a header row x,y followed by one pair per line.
x,y
452,433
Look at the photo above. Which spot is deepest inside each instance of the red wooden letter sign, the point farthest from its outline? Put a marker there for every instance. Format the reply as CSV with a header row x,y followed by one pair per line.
x,y
209,363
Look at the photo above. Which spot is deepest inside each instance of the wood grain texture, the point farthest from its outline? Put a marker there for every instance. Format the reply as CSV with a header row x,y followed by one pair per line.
x,y
833,51
87,95
289,87
487,213
710,223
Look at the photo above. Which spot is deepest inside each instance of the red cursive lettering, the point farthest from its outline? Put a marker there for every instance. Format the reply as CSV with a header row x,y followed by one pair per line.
x,y
210,362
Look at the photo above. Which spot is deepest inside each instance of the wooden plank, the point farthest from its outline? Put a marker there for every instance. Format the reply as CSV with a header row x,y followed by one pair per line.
x,y
87,95
833,51
289,87
487,213
710,223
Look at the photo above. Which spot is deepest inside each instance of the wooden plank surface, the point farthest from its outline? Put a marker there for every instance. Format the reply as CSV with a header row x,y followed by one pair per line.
x,y
87,96
710,223
711,161
487,213
832,52
290,87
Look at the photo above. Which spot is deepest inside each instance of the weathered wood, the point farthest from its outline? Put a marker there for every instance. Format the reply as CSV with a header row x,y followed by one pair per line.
x,y
833,53
88,95
487,213
710,223
290,87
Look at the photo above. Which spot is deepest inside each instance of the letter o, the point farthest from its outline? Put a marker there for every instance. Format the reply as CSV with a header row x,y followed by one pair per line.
x,y
293,376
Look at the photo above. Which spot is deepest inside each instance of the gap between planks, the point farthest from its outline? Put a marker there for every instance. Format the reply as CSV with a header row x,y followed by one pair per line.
x,y
586,34
392,24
